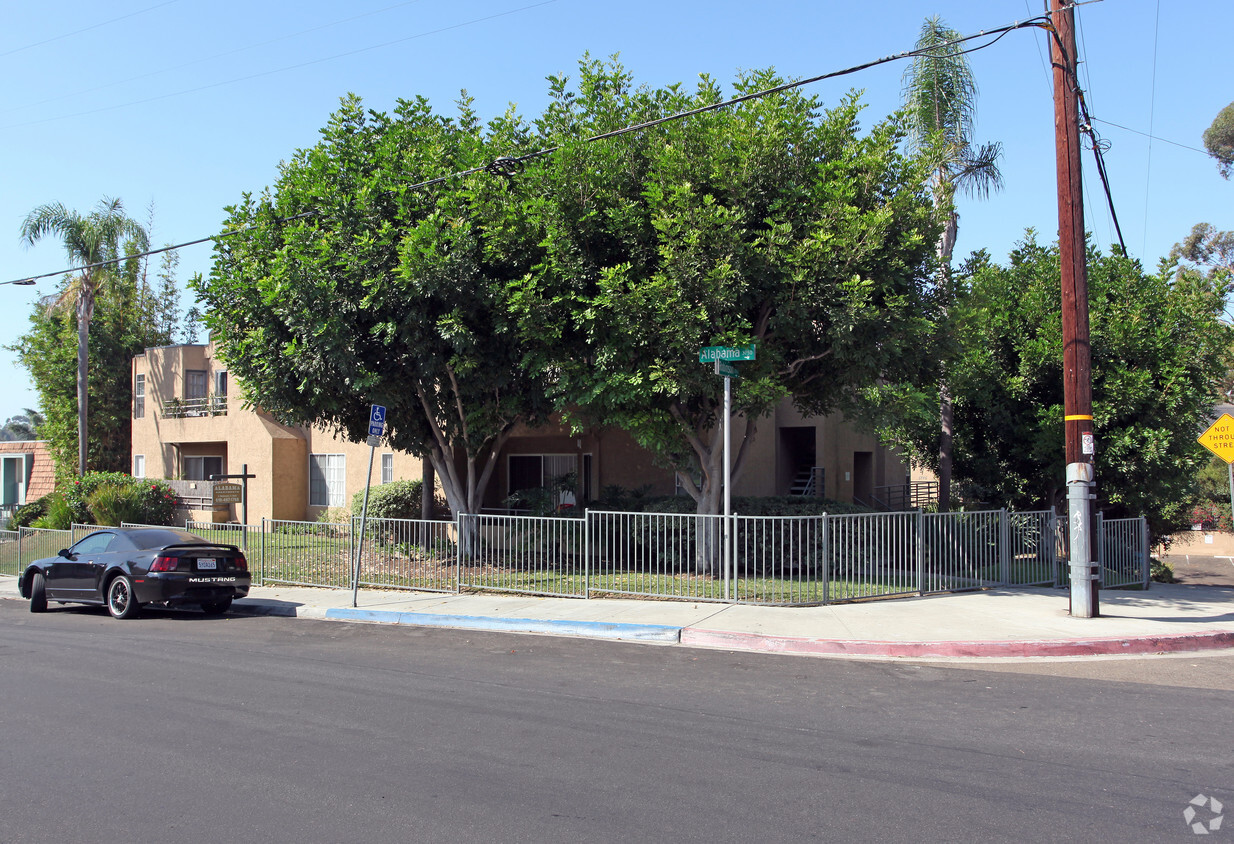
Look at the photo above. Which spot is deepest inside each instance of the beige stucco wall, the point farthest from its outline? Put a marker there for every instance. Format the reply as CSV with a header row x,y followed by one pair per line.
x,y
278,455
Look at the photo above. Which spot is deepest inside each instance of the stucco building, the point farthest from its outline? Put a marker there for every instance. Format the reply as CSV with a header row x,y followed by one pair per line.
x,y
188,424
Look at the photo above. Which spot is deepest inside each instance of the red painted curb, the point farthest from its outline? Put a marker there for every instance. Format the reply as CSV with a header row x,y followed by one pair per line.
x,y
1204,640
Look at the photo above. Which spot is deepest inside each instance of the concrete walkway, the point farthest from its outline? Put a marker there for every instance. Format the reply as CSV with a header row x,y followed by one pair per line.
x,y
995,623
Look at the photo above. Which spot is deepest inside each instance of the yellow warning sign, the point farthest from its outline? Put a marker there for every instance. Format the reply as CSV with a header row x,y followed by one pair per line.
x,y
1219,439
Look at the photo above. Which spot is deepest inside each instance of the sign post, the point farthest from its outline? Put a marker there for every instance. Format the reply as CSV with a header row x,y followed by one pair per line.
x,y
1219,439
376,426
225,494
721,357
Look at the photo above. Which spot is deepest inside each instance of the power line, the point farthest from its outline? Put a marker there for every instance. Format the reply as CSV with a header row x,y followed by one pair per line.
x,y
509,166
309,63
1148,135
223,54
86,28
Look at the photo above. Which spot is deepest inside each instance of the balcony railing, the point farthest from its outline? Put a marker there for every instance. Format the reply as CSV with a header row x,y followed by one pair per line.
x,y
206,406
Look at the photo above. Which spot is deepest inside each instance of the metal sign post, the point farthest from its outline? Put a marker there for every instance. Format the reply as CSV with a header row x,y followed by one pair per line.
x,y
721,357
244,500
376,425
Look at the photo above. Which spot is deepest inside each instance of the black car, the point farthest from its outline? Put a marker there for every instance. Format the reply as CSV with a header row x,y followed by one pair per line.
x,y
126,568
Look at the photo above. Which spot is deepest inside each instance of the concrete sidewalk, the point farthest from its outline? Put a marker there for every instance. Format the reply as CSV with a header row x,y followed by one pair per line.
x,y
994,623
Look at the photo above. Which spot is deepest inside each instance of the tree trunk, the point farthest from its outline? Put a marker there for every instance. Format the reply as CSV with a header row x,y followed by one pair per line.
x,y
945,438
85,306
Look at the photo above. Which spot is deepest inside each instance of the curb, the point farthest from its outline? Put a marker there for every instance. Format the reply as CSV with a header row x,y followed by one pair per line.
x,y
591,629
1205,640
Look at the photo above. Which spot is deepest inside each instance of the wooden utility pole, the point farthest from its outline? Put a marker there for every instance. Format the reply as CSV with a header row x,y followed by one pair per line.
x,y
1077,358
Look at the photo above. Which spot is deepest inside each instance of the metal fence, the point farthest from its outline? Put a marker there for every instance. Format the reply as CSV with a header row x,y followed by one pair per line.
x,y
769,560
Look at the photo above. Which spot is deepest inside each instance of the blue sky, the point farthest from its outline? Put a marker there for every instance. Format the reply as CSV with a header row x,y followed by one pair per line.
x,y
183,105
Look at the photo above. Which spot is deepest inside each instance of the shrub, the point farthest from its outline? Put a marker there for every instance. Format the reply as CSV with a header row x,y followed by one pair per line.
x,y
1161,572
395,500
26,514
152,502
1211,516
113,504
59,516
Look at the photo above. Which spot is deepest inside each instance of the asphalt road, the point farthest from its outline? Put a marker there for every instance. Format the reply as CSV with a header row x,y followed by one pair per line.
x,y
178,727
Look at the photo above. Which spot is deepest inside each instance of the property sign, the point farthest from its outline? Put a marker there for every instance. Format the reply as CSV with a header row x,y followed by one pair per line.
x,y
376,421
1219,438
712,353
225,493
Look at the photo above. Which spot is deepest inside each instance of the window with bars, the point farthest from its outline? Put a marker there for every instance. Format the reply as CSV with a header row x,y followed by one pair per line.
x,y
387,468
327,480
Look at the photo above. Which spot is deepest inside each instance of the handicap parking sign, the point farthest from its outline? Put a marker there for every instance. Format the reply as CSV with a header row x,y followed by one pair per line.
x,y
376,421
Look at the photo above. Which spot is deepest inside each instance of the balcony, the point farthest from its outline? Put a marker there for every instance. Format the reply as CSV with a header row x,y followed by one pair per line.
x,y
206,406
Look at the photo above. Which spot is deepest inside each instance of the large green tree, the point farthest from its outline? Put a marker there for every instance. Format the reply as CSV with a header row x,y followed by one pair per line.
x,y
773,222
95,242
940,103
1219,140
385,294
124,324
1159,348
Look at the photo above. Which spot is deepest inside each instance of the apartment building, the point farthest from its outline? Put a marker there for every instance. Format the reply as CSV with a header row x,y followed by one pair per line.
x,y
189,424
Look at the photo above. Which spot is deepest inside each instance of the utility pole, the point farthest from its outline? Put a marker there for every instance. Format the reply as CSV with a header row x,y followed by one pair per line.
x,y
1077,358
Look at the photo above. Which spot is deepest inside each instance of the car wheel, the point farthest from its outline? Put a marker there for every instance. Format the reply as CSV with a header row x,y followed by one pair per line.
x,y
38,593
121,600
216,607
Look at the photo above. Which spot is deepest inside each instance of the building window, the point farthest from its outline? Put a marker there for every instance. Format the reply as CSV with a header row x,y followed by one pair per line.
x,y
139,465
387,468
220,382
201,468
139,396
327,480
195,384
533,471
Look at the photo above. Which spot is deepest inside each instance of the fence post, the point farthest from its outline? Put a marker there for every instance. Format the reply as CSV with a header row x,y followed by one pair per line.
x,y
458,553
1098,539
261,574
1145,564
1004,548
586,553
919,523
826,559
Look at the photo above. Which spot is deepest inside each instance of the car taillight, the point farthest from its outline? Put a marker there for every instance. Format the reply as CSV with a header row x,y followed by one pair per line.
x,y
241,563
164,563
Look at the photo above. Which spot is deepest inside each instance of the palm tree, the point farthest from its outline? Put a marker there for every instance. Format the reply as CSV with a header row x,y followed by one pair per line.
x,y
940,100
94,243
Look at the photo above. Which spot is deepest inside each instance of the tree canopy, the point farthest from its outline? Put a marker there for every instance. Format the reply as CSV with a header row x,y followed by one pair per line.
x,y
584,281
96,241
374,292
1219,140
1159,349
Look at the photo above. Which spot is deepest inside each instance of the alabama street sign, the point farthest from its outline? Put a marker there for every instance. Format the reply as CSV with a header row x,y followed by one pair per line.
x,y
713,353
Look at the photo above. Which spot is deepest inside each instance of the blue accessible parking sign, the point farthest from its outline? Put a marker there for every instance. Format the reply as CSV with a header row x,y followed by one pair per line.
x,y
376,421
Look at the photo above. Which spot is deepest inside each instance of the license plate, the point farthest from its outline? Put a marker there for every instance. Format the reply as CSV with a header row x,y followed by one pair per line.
x,y
204,563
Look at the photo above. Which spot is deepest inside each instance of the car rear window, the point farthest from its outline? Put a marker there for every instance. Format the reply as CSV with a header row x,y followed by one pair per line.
x,y
155,538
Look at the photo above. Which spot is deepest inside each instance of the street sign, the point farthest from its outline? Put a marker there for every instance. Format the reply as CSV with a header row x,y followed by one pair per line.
x,y
1219,438
225,493
712,353
376,421
727,369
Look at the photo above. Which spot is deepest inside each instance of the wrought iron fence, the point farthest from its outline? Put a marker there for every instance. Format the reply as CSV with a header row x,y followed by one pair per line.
x,y
781,560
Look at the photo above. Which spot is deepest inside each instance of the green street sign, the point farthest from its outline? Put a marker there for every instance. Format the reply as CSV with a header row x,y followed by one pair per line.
x,y
727,369
714,353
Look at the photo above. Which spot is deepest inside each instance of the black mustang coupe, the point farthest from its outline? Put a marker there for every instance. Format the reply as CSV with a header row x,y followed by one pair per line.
x,y
125,568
